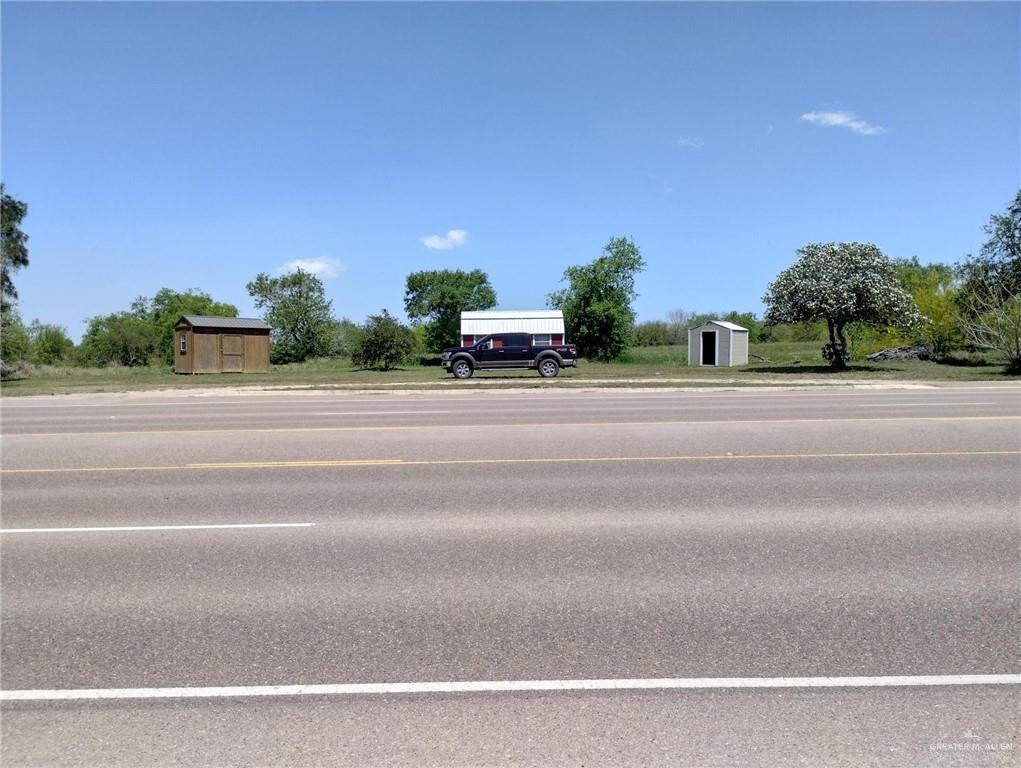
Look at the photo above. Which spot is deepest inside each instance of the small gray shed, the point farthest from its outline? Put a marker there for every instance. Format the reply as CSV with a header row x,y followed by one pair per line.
x,y
718,343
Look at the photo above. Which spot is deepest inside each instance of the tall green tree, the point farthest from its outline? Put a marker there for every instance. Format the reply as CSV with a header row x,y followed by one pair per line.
x,y
440,296
654,333
13,244
990,294
14,342
384,343
996,272
745,320
168,306
996,327
934,290
298,312
597,300
49,344
344,337
840,283
120,338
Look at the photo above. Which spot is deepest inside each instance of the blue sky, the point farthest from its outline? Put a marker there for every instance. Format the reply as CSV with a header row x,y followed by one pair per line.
x,y
193,145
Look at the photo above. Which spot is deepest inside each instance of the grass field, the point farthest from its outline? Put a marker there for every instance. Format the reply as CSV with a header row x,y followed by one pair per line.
x,y
793,363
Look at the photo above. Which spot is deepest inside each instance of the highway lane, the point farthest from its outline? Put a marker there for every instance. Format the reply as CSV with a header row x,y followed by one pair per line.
x,y
637,547
108,432
683,581
809,485
855,728
274,410
194,451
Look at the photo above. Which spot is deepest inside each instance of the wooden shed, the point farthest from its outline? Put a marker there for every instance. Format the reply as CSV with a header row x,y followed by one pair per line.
x,y
204,344
718,343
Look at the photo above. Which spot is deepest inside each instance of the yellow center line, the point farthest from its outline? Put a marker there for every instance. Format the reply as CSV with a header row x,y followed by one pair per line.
x,y
312,463
515,425
451,462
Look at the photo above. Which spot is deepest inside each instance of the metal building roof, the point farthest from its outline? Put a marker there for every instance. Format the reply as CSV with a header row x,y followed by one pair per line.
x,y
722,324
227,323
514,314
519,321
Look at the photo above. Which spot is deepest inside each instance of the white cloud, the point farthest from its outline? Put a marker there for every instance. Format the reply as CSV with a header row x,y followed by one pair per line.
x,y
843,119
691,142
452,239
324,267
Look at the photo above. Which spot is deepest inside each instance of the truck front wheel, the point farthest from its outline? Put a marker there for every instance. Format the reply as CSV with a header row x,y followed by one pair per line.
x,y
462,369
548,368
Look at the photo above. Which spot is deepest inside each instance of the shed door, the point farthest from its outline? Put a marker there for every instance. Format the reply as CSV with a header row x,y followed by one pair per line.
x,y
708,347
233,349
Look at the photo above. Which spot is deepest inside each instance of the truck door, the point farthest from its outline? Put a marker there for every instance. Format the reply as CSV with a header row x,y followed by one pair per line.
x,y
489,352
518,349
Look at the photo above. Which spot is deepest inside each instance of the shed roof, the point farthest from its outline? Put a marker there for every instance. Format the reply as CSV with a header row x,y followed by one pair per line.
x,y
723,324
519,321
514,314
227,323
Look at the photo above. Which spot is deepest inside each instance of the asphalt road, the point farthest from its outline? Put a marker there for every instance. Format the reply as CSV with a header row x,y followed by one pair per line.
x,y
512,536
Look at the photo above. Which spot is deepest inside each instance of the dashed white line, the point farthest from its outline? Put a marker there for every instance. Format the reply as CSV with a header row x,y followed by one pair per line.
x,y
113,528
504,686
915,405
377,413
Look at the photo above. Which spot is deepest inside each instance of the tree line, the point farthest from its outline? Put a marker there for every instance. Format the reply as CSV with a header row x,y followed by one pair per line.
x,y
841,294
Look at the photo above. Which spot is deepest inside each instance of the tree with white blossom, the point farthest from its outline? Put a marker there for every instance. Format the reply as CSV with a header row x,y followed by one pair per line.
x,y
840,283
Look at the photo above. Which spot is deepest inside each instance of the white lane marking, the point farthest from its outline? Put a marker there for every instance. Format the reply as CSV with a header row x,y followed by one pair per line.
x,y
500,686
374,413
106,529
914,405
261,412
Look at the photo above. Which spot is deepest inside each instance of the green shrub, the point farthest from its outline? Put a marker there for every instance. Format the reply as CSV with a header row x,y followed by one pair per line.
x,y
384,344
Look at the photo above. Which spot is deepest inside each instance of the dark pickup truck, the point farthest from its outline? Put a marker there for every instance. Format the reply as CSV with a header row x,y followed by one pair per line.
x,y
506,351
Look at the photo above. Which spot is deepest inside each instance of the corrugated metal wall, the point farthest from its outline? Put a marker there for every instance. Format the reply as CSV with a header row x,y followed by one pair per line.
x,y
481,327
739,355
723,346
732,345
695,344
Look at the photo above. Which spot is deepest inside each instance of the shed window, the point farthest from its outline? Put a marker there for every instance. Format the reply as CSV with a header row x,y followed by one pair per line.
x,y
541,339
184,343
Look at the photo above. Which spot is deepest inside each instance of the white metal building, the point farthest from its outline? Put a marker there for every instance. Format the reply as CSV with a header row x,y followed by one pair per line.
x,y
541,323
718,343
